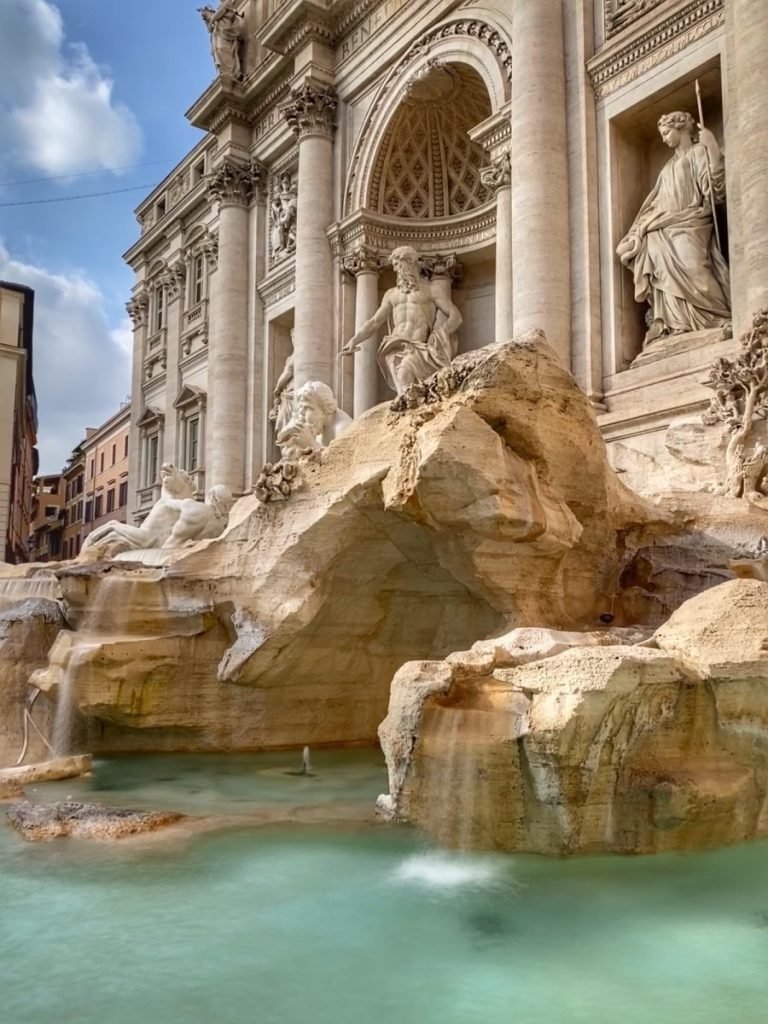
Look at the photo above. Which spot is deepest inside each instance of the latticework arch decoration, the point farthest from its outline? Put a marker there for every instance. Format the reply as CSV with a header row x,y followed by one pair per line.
x,y
427,166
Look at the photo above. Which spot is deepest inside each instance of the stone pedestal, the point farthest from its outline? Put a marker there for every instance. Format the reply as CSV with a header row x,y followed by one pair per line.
x,y
749,24
232,186
540,226
310,114
499,177
364,265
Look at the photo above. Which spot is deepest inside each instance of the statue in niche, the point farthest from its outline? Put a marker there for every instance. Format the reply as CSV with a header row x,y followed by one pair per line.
x,y
282,407
224,24
417,345
317,420
671,248
283,215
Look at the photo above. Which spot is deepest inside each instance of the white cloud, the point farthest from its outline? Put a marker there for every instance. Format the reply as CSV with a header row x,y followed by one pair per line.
x,y
81,364
59,113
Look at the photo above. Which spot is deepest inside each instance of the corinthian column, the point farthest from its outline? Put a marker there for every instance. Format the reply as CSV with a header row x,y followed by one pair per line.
x,y
539,163
138,310
364,265
310,115
499,177
232,186
749,23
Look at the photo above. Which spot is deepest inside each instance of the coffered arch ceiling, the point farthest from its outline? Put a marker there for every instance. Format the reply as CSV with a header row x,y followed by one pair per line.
x,y
426,165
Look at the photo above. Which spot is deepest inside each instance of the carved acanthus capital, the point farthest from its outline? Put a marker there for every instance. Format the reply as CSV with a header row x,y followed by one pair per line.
x,y
137,308
363,259
439,265
234,184
209,246
173,280
498,174
311,110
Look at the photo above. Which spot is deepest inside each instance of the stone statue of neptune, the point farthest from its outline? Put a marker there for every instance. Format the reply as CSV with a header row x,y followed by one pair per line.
x,y
671,248
416,346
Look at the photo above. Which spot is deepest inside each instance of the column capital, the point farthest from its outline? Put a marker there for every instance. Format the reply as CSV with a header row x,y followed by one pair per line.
x,y
498,174
363,259
235,184
173,279
137,308
311,110
439,265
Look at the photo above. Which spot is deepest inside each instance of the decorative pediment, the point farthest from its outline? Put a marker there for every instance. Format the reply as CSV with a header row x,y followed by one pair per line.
x,y
190,396
151,417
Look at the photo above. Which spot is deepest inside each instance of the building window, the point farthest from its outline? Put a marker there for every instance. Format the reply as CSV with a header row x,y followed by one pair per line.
x,y
101,463
198,279
192,444
122,499
125,448
114,454
89,511
110,501
153,453
50,511
198,171
92,470
159,308
160,209
97,507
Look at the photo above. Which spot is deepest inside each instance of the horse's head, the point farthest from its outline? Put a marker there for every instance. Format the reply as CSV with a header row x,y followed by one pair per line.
x,y
175,482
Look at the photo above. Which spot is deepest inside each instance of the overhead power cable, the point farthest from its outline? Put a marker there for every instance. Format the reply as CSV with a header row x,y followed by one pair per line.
x,y
87,195
82,174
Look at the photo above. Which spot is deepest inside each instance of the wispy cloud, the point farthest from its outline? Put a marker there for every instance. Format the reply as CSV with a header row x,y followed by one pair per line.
x,y
81,365
58,113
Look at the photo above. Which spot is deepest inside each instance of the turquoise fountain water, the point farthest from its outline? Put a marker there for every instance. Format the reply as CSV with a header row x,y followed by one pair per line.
x,y
362,925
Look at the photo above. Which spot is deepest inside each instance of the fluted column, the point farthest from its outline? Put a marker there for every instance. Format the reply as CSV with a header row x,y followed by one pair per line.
x,y
138,310
499,177
539,165
749,21
173,281
232,186
364,265
310,114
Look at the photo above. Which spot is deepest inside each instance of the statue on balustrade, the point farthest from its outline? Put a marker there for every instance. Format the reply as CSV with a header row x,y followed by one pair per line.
x,y
283,394
672,248
283,215
224,24
418,343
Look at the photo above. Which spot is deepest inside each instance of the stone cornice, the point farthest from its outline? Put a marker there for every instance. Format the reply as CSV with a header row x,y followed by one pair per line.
x,y
630,54
429,237
235,184
296,23
279,284
311,110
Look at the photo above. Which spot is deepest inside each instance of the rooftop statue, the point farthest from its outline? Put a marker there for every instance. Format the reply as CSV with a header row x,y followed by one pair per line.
x,y
224,25
672,248
416,346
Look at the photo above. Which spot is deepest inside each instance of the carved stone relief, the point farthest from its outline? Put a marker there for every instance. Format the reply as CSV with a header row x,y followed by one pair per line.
x,y
137,308
621,13
498,174
283,207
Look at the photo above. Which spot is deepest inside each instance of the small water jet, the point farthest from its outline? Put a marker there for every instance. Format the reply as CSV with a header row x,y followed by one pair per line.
x,y
306,765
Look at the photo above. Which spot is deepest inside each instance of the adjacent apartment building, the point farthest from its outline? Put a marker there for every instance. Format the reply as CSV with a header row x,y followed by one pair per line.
x,y
47,518
105,451
18,420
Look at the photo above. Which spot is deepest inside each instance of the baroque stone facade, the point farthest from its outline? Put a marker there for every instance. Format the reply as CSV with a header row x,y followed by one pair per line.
x,y
514,146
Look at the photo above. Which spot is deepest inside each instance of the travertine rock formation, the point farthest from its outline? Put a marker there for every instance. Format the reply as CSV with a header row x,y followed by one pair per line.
x,y
414,534
85,821
654,746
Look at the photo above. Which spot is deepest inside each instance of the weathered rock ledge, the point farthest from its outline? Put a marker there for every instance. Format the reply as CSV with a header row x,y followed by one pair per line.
x,y
607,746
85,821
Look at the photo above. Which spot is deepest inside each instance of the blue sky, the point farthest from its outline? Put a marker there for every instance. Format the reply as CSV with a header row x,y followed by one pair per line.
x,y
88,88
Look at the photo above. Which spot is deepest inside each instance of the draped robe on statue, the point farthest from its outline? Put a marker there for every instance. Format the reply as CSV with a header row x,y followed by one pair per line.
x,y
678,267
